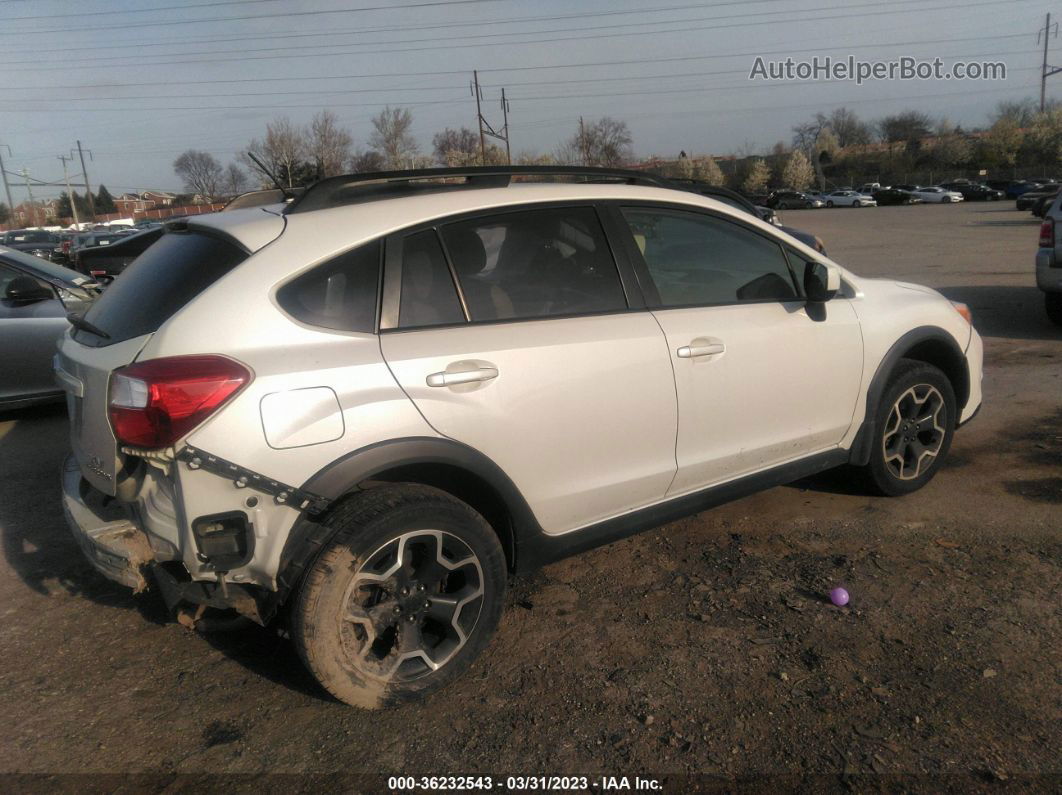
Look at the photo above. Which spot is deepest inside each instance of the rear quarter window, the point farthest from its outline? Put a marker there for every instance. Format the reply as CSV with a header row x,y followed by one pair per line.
x,y
339,294
159,283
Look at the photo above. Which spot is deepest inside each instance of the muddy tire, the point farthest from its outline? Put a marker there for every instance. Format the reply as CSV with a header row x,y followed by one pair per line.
x,y
403,600
915,423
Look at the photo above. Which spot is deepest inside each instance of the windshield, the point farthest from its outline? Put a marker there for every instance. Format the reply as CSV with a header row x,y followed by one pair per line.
x,y
28,236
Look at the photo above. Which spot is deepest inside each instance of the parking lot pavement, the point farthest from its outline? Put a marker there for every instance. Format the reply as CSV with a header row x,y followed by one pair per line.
x,y
705,646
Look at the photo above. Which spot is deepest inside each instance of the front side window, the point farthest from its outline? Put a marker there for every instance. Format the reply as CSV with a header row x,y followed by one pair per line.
x,y
695,259
534,263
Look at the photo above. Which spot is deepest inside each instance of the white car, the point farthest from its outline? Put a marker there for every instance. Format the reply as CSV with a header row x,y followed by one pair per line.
x,y
371,405
849,198
935,194
1049,262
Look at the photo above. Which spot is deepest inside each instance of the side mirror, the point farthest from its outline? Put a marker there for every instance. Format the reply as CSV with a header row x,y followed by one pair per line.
x,y
821,282
27,290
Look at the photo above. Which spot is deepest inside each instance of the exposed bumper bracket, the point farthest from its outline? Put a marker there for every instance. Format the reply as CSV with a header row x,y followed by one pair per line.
x,y
242,477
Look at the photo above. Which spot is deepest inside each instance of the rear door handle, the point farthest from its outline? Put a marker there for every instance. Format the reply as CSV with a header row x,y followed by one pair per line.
x,y
462,377
700,348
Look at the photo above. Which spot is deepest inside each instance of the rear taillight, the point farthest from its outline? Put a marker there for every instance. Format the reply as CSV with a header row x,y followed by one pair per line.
x,y
155,403
1047,233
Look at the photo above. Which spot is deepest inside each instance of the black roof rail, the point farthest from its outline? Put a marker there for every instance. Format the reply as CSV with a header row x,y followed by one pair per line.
x,y
372,186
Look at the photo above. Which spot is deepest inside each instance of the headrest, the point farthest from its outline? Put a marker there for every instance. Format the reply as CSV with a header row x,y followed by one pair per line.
x,y
466,250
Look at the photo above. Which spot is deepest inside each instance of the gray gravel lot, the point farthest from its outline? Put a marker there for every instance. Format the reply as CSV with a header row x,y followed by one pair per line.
x,y
700,648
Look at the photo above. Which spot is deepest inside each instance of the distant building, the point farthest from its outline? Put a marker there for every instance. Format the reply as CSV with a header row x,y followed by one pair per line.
x,y
129,203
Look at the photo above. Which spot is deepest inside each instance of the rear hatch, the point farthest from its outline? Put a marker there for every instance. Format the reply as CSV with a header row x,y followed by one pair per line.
x,y
173,271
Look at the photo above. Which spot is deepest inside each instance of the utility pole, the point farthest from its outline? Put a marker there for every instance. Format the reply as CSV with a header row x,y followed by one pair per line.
x,y
7,188
505,127
29,190
1047,32
84,173
69,192
479,117
485,127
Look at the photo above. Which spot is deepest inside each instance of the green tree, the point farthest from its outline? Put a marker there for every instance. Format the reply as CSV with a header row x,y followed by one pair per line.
x,y
104,202
1001,145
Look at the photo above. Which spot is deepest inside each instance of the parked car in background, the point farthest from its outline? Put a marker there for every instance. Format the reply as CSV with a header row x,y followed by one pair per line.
x,y
937,195
868,188
974,191
766,214
38,242
1029,199
893,196
791,199
35,296
1041,205
103,262
1049,261
849,198
1016,189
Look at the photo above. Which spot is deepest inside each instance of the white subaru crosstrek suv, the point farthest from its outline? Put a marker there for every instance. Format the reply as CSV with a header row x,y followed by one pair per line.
x,y
359,412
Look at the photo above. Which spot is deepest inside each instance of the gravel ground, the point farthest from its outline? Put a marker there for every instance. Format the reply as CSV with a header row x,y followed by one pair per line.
x,y
703,652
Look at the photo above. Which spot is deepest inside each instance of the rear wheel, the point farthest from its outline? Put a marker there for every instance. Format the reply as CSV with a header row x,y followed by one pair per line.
x,y
403,600
914,424
1053,305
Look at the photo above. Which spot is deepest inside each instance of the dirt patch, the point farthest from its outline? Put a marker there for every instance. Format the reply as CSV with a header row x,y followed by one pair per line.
x,y
1039,490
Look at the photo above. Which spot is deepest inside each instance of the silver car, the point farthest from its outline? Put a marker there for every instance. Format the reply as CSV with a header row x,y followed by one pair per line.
x,y
35,297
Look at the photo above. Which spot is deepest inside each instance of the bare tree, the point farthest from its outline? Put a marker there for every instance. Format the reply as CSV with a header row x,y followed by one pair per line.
x,y
235,181
283,151
364,162
329,145
392,137
848,128
606,142
455,147
200,172
909,126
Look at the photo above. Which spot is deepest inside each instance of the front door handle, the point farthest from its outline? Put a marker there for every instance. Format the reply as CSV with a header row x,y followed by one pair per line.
x,y
700,348
462,376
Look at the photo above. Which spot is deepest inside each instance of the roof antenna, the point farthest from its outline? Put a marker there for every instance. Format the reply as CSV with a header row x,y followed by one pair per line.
x,y
269,174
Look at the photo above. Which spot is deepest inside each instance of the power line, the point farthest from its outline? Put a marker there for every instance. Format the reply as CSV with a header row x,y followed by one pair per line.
x,y
580,37
584,65
622,78
284,14
125,11
434,26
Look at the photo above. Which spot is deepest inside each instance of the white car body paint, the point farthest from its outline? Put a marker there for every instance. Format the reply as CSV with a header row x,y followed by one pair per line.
x,y
573,400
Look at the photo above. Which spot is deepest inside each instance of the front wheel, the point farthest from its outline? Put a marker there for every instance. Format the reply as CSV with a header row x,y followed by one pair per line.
x,y
1053,305
403,600
829,204
914,424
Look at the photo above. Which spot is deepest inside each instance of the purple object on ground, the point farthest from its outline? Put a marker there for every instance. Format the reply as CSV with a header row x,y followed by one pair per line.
x,y
839,596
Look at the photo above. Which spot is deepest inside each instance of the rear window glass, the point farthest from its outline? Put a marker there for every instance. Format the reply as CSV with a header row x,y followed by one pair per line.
x,y
340,294
159,283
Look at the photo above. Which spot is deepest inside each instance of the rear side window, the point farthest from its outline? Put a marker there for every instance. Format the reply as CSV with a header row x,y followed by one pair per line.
x,y
340,294
534,263
160,283
429,297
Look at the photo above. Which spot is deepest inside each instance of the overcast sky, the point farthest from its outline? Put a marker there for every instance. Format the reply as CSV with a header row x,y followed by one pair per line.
x,y
139,81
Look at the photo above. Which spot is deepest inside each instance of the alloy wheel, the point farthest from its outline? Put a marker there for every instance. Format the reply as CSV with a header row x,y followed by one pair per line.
x,y
411,605
914,431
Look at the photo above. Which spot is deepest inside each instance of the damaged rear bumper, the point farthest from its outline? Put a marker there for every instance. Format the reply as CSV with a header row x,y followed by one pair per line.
x,y
112,543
